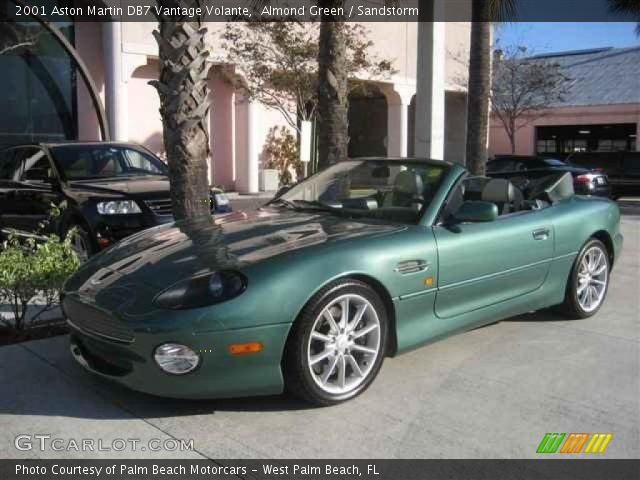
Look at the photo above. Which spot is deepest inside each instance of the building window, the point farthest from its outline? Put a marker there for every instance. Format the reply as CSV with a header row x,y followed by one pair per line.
x,y
546,146
580,138
575,145
41,78
613,145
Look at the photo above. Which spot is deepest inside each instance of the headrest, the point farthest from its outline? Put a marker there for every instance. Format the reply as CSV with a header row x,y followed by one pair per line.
x,y
408,182
498,190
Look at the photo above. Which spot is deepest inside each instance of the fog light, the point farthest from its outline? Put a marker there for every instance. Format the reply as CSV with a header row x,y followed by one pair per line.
x,y
176,359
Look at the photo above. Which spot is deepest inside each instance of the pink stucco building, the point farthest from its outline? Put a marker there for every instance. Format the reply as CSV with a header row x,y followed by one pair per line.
x,y
419,110
122,58
601,111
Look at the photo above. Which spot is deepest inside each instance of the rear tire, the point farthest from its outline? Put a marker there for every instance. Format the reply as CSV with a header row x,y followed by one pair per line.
x,y
589,281
331,357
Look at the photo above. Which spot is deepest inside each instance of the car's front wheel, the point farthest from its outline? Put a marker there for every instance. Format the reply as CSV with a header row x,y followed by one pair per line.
x,y
589,280
337,344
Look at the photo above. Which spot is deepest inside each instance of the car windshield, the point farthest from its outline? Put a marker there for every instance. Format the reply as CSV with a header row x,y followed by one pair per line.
x,y
82,162
394,190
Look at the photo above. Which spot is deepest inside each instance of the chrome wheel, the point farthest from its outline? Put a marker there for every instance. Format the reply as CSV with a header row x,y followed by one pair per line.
x,y
80,247
593,275
344,344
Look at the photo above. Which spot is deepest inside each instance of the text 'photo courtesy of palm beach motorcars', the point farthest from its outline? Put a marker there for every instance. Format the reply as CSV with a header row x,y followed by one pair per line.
x,y
366,259
111,191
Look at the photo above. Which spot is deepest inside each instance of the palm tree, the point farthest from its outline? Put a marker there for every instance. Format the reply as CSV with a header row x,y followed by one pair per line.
x,y
184,107
333,96
483,11
631,7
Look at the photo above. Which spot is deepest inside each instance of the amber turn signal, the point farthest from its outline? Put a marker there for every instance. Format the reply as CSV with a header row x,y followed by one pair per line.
x,y
242,348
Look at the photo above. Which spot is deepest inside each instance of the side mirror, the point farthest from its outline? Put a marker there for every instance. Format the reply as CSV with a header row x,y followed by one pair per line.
x,y
476,211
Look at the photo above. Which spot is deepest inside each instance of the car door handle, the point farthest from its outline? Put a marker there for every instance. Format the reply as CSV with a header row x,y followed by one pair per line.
x,y
540,234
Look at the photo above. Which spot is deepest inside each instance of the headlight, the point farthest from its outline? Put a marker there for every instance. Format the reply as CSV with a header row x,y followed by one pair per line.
x,y
176,359
118,207
203,290
221,199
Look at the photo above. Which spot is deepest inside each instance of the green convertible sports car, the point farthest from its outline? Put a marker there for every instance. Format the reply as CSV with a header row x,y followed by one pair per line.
x,y
366,259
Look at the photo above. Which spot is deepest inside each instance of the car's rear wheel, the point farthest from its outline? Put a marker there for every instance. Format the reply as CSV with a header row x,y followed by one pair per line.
x,y
337,344
589,280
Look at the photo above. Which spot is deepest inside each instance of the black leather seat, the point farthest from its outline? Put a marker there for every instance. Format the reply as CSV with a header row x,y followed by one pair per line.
x,y
504,194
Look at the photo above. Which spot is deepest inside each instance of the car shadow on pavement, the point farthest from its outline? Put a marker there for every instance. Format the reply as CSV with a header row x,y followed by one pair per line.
x,y
76,393
113,402
41,379
546,315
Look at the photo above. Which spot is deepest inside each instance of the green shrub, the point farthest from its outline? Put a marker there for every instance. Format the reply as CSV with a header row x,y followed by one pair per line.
x,y
34,268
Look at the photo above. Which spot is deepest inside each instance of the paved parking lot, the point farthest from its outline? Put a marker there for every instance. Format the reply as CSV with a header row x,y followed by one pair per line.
x,y
492,392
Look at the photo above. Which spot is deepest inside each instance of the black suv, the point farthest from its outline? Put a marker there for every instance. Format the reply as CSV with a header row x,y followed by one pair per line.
x,y
585,181
622,168
111,189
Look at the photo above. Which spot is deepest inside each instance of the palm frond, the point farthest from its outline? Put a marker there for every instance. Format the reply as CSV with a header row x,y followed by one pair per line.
x,y
503,10
630,7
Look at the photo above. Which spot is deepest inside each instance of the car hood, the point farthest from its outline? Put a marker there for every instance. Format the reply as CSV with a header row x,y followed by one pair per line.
x,y
164,255
133,187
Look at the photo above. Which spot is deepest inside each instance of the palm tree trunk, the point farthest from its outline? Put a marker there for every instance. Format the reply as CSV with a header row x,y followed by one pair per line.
x,y
333,99
184,107
479,87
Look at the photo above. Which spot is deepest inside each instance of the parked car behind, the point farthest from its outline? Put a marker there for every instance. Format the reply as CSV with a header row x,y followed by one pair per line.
x,y
585,181
622,168
112,190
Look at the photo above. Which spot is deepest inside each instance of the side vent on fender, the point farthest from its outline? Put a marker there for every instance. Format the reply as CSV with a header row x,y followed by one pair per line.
x,y
411,266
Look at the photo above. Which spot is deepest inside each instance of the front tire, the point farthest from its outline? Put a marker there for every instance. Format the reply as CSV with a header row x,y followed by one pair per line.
x,y
337,344
589,281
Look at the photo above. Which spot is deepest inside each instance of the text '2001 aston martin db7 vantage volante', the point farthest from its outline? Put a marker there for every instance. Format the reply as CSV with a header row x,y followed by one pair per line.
x,y
366,259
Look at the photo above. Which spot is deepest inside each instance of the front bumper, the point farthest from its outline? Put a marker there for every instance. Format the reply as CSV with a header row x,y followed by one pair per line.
x,y
220,374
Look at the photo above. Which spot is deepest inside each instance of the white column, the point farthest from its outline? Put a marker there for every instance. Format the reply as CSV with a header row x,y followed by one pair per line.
x,y
248,145
119,68
398,103
429,141
116,95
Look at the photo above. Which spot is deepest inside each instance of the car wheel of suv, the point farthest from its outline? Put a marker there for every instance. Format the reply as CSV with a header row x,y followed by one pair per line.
x,y
81,243
589,281
337,344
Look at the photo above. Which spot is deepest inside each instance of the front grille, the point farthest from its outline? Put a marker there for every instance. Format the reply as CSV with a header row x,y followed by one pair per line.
x,y
94,321
160,206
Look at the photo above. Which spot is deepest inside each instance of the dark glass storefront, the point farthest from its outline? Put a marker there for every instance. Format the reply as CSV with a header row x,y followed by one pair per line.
x,y
566,139
37,81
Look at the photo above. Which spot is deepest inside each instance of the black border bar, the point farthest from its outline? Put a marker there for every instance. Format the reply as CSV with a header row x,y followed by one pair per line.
x,y
556,469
